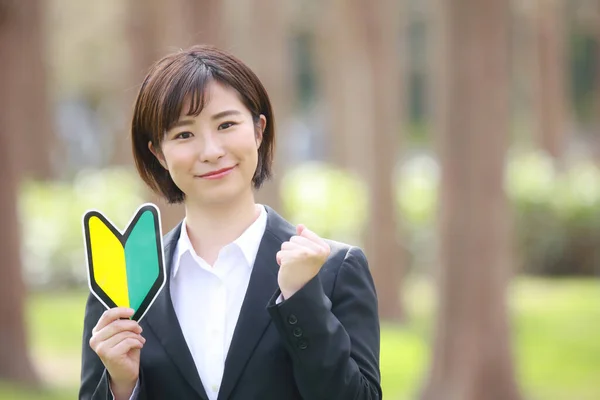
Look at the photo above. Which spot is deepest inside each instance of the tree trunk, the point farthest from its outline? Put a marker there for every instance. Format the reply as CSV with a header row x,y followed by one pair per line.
x,y
344,75
551,77
25,66
382,27
358,52
472,353
596,34
15,364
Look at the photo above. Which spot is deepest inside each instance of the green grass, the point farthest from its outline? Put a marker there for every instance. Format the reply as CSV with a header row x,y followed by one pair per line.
x,y
56,322
558,347
9,392
556,334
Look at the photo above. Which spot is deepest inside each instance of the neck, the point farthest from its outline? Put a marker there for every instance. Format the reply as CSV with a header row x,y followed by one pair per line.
x,y
210,228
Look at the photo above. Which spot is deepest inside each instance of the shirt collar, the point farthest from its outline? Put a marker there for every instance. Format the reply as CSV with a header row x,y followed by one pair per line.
x,y
248,241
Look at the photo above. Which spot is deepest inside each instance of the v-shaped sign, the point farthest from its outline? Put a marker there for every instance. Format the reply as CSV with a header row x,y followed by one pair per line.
x,y
125,269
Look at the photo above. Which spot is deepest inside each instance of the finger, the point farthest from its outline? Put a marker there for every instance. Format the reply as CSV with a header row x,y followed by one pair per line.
x,y
279,257
106,348
112,315
126,346
283,255
291,246
290,255
307,243
307,233
120,349
115,327
119,337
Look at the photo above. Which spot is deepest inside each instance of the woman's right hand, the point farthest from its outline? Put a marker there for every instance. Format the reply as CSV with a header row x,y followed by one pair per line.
x,y
117,340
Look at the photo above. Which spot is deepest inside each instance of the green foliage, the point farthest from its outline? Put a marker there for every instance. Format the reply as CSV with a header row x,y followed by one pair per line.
x,y
51,215
330,201
556,215
416,192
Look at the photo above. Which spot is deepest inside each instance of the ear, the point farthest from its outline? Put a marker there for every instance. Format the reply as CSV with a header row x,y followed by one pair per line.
x,y
260,129
158,154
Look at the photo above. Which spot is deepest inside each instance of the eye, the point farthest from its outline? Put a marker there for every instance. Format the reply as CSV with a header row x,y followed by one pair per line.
x,y
226,125
183,135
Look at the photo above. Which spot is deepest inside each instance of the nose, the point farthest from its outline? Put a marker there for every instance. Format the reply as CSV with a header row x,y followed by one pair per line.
x,y
212,149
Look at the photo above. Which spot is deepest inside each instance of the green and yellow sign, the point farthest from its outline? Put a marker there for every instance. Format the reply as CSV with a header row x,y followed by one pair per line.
x,y
125,269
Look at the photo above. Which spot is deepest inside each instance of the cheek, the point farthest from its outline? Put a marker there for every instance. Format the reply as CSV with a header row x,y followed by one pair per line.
x,y
252,153
245,146
177,158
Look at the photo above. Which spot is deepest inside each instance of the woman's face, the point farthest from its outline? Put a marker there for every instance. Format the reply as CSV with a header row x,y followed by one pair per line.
x,y
212,157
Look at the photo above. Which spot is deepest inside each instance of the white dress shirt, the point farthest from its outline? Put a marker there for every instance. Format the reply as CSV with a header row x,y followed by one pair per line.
x,y
208,299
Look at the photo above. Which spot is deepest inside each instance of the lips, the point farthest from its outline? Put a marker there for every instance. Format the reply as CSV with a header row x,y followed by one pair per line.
x,y
217,172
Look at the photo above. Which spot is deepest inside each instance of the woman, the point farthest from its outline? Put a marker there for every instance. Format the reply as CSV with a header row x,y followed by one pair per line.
x,y
253,308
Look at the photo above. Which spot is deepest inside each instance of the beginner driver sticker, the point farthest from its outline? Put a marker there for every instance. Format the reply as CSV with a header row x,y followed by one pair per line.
x,y
125,269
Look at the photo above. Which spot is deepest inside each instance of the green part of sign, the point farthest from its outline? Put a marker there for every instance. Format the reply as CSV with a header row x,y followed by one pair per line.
x,y
142,259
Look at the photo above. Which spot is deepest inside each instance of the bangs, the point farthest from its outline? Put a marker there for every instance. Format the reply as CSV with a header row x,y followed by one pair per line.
x,y
186,85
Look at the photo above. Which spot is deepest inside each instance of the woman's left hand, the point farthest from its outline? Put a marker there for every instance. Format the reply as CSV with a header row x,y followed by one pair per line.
x,y
300,259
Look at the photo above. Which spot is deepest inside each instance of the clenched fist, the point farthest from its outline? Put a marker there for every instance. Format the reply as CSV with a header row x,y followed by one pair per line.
x,y
300,259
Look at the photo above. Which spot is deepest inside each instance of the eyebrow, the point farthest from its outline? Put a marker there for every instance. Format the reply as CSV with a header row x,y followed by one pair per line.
x,y
182,122
222,114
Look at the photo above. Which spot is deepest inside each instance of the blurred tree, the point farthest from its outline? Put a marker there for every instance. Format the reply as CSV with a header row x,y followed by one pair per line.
x,y
258,32
15,113
15,364
472,357
153,32
595,30
524,65
156,28
358,49
597,66
551,76
24,62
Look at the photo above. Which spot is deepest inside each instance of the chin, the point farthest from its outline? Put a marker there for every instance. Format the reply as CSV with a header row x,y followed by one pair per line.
x,y
220,195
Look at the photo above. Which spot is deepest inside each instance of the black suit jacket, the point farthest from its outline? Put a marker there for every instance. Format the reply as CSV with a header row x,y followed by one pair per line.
x,y
320,344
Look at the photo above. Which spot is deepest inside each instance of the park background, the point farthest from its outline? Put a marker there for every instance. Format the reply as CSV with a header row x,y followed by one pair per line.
x,y
456,141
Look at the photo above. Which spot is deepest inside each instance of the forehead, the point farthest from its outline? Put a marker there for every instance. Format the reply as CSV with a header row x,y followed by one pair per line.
x,y
215,98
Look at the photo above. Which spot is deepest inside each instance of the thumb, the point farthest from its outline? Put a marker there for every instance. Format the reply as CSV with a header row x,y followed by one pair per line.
x,y
299,229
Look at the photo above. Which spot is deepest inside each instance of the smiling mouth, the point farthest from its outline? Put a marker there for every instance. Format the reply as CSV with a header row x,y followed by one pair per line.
x,y
217,174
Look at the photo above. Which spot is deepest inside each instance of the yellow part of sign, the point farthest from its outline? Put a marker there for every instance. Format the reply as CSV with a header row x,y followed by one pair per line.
x,y
108,256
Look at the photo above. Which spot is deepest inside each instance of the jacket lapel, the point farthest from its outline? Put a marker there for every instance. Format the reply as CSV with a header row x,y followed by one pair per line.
x,y
163,321
254,317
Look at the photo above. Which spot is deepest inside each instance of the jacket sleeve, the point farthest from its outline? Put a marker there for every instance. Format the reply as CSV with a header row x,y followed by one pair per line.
x,y
94,377
334,344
